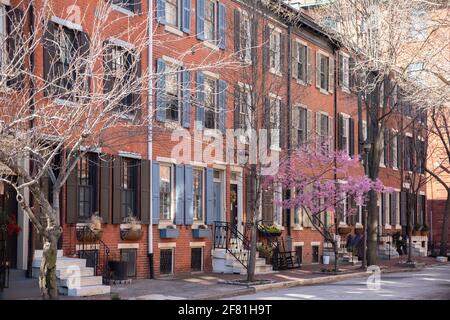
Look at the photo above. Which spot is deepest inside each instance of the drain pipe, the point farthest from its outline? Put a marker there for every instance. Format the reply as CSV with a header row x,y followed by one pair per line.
x,y
150,129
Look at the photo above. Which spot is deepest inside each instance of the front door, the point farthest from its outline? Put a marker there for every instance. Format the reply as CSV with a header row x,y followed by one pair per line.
x,y
234,205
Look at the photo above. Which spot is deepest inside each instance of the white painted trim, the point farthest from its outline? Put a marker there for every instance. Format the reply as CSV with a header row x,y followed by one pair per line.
x,y
166,160
122,43
67,23
6,2
298,244
173,30
197,244
219,166
236,169
315,243
409,134
163,224
198,164
120,9
172,60
167,245
88,246
211,74
131,155
422,193
95,150
128,246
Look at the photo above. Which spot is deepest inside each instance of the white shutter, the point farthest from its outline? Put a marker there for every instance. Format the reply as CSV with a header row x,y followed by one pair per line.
x,y
330,133
309,125
294,59
318,136
309,65
317,70
331,75
295,125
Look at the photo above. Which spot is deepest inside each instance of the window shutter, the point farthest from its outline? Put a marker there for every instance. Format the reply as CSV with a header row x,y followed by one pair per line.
x,y
179,191
137,6
309,68
318,137
383,211
254,37
155,192
209,176
237,94
136,95
295,126
145,191
188,196
294,49
266,46
399,150
352,137
15,46
317,70
331,75
309,124
386,146
186,103
341,69
395,204
200,110
186,26
160,90
49,56
392,208
117,189
200,22
85,71
237,32
107,66
282,52
105,189
222,101
351,70
341,132
403,208
72,196
161,11
391,148
221,13
330,134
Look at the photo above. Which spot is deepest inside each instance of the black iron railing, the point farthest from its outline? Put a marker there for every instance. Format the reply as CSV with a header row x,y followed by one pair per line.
x,y
228,237
94,250
4,261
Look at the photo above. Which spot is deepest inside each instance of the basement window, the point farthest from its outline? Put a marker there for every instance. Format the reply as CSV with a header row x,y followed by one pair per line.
x,y
196,259
130,256
166,261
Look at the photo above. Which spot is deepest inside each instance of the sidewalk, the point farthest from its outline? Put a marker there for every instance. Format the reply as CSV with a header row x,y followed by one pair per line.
x,y
204,286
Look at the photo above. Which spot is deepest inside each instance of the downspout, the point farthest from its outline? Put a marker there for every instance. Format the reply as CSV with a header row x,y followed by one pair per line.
x,y
289,131
335,129
149,133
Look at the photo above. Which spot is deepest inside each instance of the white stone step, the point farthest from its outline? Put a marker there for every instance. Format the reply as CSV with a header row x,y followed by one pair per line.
x,y
75,282
64,273
38,254
63,262
86,291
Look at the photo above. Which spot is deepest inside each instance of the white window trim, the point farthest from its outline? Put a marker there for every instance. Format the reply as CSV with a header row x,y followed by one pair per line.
x,y
276,97
167,245
303,43
172,61
323,53
67,23
210,74
132,155
122,43
277,30
164,223
242,12
347,118
123,10
201,167
346,89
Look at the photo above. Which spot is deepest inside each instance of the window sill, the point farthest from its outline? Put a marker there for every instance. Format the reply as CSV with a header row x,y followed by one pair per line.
x,y
120,9
301,82
395,168
387,227
297,227
346,90
171,125
323,91
398,227
382,165
210,45
358,225
64,103
173,30
197,224
277,149
275,72
166,224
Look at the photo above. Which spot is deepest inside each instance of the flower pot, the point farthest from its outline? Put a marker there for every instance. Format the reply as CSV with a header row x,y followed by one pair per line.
x,y
200,233
131,234
89,235
344,230
416,233
424,233
266,234
168,233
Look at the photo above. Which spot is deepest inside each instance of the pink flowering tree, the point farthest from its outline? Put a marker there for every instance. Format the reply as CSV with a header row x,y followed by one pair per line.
x,y
320,182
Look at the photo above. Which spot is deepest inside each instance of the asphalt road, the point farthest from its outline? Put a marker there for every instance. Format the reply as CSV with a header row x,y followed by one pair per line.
x,y
430,283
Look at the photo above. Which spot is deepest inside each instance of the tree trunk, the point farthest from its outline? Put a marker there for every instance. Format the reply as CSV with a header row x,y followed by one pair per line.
x,y
252,258
47,275
444,232
372,225
410,228
336,256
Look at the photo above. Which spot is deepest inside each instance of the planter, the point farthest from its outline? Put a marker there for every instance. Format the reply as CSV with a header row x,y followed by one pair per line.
x,y
88,235
359,231
266,234
200,233
118,270
343,231
424,233
416,233
131,234
168,233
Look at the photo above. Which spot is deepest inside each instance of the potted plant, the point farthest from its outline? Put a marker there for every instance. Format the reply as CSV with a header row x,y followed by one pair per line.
x,y
131,230
201,232
425,230
169,232
416,229
92,231
269,231
344,230
265,252
359,230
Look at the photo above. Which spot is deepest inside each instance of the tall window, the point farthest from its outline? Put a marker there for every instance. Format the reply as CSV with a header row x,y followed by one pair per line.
x,y
165,192
245,103
211,112
323,128
129,187
172,13
87,186
324,65
345,72
418,30
408,153
198,194
300,62
274,122
173,93
210,20
3,34
302,126
275,50
245,37
345,134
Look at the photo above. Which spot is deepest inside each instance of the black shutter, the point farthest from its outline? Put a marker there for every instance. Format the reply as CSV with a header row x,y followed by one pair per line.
x,y
399,149
391,149
266,46
254,39
84,72
392,207
145,191
15,47
237,94
403,208
136,94
386,146
105,189
137,6
341,69
282,125
117,189
237,33
49,55
352,76
282,52
340,132
72,196
352,136
107,68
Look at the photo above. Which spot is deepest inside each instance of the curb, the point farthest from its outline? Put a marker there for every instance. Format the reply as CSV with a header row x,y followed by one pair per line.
x,y
307,282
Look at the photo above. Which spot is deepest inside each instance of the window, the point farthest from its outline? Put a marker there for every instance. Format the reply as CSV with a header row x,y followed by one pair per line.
x,y
166,261
344,71
245,37
172,13
131,5
196,259
344,125
274,123
343,208
267,206
383,151
210,20
197,176
87,186
394,146
130,256
275,51
3,35
408,153
244,105
299,253
173,93
129,187
211,112
421,209
324,131
323,71
386,202
315,254
300,62
416,73
165,192
364,130
302,130
418,30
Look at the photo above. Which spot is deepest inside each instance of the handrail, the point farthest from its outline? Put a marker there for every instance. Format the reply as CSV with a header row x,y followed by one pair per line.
x,y
228,237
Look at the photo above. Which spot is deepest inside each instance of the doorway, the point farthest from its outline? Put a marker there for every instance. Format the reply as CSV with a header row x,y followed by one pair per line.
x,y
234,205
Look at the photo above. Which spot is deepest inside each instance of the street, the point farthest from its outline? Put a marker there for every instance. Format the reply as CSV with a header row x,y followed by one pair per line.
x,y
429,283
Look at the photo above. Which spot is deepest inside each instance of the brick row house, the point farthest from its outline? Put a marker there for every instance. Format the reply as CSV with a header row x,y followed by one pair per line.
x,y
202,54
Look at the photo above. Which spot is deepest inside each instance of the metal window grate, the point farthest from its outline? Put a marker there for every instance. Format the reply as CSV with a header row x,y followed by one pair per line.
x,y
299,253
130,256
166,261
196,259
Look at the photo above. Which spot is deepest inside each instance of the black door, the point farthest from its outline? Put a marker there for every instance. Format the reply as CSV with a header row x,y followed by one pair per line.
x,y
234,205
